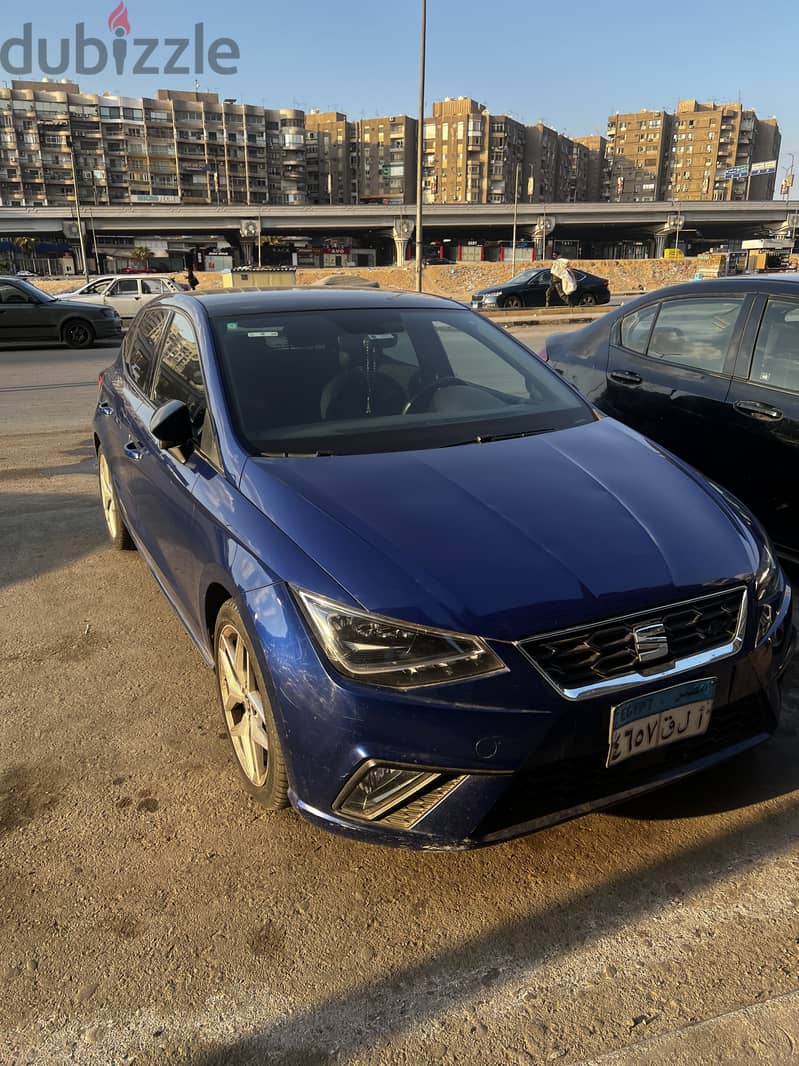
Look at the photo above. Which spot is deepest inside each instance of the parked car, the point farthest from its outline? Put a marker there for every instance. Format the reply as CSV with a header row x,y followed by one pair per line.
x,y
447,603
126,294
711,372
529,289
28,314
26,274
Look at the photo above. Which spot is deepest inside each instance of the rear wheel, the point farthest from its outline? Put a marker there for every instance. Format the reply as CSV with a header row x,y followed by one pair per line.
x,y
512,302
77,333
587,299
117,531
247,712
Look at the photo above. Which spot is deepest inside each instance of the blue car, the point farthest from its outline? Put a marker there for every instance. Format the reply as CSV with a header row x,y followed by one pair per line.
x,y
446,601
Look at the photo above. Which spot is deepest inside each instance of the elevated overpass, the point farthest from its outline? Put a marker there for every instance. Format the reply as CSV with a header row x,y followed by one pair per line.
x,y
708,220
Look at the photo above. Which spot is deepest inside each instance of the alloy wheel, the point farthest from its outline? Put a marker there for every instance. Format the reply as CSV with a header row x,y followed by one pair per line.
x,y
108,499
243,705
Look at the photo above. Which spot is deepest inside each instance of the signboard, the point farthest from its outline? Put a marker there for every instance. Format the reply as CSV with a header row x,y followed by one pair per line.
x,y
153,198
736,172
673,253
768,166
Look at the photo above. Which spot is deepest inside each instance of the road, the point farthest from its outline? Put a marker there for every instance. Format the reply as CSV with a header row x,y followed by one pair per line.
x,y
151,913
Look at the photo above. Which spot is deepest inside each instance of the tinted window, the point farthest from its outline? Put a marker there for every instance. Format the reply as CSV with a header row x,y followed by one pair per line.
x,y
636,327
10,294
179,375
381,379
776,360
142,345
124,287
696,333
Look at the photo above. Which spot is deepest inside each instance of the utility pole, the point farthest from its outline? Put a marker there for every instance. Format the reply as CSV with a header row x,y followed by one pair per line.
x,y
419,144
515,215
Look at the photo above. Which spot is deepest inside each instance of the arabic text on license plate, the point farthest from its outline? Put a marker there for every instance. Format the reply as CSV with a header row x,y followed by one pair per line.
x,y
659,719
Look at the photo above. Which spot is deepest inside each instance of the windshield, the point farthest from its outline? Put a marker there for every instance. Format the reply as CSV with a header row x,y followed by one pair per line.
x,y
524,277
95,288
31,290
378,379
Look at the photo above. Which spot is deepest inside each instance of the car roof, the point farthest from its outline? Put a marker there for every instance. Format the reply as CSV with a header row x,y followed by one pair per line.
x,y
221,304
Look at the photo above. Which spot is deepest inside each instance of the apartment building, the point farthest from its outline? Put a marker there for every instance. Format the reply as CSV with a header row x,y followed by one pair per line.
x,y
330,155
638,146
596,146
384,160
470,155
177,147
709,140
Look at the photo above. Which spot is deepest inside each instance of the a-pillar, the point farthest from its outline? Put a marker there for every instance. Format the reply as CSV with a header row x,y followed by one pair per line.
x,y
401,232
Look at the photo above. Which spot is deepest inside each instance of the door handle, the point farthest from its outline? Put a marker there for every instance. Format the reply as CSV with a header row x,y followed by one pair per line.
x,y
134,449
763,412
105,409
625,377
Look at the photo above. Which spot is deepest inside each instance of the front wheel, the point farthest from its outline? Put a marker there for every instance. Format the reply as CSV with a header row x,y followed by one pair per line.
x,y
77,333
512,302
117,530
247,712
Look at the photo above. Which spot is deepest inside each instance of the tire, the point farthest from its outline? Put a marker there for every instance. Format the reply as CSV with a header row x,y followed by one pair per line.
x,y
512,303
586,299
77,333
117,530
247,712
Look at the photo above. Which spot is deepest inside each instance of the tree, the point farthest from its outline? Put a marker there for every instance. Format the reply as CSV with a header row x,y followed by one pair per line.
x,y
26,245
141,255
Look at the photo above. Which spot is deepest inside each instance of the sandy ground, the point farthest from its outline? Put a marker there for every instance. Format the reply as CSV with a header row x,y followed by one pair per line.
x,y
152,914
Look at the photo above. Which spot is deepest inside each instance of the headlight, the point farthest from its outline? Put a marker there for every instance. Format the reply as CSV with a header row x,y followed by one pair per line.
x,y
767,578
391,653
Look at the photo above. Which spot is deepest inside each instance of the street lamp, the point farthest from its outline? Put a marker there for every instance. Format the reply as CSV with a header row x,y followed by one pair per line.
x,y
419,144
68,143
515,215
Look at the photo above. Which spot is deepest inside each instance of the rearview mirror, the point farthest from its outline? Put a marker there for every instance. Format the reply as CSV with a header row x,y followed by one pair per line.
x,y
171,425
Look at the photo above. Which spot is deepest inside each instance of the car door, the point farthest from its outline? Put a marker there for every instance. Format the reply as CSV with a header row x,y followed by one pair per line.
x,y
165,501
152,287
23,317
125,296
669,370
764,418
120,411
535,290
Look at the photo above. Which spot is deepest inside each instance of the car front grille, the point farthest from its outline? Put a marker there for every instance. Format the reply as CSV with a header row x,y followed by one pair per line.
x,y
540,791
587,656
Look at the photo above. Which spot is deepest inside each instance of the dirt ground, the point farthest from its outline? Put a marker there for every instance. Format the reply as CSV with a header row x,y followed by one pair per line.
x,y
152,914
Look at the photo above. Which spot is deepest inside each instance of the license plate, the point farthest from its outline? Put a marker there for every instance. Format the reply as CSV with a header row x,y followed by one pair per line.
x,y
660,718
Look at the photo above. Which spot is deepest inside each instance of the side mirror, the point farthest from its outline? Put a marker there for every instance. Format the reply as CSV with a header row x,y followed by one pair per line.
x,y
171,425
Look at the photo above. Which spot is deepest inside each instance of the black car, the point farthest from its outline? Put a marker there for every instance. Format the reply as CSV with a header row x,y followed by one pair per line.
x,y
28,314
710,369
529,289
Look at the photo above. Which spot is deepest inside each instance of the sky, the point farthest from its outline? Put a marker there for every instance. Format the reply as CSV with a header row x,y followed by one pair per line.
x,y
568,65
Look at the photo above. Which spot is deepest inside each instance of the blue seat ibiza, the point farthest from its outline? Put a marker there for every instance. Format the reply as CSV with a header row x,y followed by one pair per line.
x,y
446,601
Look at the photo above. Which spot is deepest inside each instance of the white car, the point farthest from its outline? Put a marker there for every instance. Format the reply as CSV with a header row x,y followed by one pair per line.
x,y
126,293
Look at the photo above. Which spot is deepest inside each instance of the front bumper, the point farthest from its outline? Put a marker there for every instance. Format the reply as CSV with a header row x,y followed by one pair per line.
x,y
514,755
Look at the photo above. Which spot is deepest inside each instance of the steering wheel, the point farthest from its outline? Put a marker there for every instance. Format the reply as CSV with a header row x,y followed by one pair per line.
x,y
416,403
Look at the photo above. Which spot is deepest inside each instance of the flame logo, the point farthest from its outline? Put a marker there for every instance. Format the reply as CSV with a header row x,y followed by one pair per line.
x,y
118,19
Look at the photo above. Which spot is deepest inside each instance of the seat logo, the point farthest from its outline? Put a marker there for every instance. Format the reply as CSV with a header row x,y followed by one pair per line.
x,y
651,642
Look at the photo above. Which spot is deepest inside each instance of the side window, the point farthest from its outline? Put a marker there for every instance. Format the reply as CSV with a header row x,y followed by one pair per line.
x,y
10,294
179,376
467,359
636,327
776,359
141,347
696,333
152,285
124,287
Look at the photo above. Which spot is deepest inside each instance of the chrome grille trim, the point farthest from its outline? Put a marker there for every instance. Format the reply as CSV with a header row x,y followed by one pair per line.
x,y
668,670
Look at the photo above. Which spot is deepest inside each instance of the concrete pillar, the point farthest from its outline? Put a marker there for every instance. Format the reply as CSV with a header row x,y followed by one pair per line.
x,y
401,231
660,245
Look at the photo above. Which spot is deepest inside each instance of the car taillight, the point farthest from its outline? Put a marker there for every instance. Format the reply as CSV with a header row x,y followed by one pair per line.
x,y
100,380
605,282
543,354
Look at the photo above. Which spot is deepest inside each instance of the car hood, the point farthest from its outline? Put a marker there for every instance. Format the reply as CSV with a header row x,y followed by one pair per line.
x,y
508,538
494,288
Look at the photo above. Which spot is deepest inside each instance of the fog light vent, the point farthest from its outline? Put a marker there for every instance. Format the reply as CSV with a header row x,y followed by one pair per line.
x,y
394,795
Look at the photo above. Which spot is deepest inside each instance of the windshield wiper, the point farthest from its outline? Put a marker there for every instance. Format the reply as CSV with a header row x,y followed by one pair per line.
x,y
295,455
489,438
